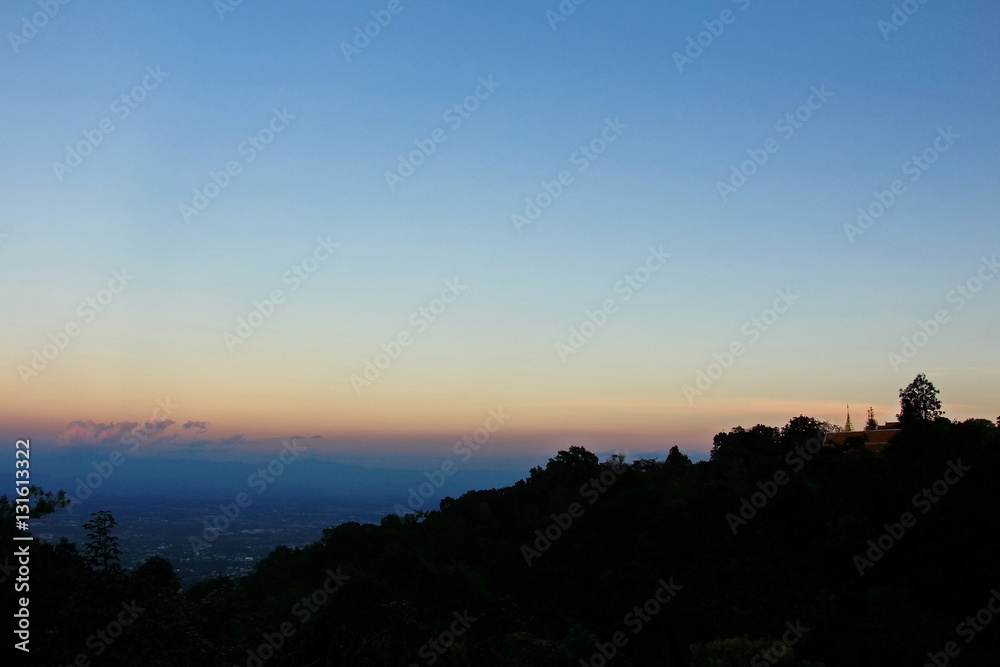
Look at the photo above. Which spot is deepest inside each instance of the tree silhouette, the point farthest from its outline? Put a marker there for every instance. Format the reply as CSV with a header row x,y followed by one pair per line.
x,y
101,550
677,458
573,463
45,503
871,424
616,460
740,444
800,430
919,401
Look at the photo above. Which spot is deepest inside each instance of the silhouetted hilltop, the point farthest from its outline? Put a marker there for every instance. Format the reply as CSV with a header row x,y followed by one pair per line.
x,y
775,551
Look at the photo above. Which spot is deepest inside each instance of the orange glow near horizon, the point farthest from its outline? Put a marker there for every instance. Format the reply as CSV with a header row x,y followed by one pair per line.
x,y
417,408
424,424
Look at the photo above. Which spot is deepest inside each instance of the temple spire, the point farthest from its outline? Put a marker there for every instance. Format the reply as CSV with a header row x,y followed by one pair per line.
x,y
848,426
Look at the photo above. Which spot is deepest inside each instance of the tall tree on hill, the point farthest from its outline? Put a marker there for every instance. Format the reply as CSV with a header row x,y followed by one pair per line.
x,y
800,430
919,401
872,423
101,550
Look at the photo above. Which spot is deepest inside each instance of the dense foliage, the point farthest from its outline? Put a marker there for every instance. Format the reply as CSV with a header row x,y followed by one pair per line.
x,y
758,556
919,401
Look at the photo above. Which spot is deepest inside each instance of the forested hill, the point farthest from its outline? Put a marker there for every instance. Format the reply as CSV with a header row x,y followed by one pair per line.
x,y
775,551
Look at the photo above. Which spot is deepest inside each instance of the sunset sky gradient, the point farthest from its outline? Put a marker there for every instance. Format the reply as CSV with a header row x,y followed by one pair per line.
x,y
209,82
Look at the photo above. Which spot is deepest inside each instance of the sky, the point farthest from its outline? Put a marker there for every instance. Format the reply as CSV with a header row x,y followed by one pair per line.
x,y
396,225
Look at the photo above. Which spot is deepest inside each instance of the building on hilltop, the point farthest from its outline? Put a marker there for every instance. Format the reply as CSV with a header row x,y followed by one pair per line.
x,y
875,440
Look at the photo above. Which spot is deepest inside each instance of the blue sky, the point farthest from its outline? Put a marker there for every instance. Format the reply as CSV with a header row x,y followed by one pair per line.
x,y
889,95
